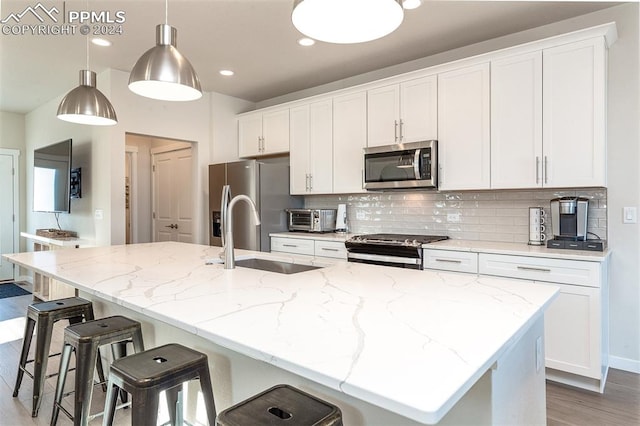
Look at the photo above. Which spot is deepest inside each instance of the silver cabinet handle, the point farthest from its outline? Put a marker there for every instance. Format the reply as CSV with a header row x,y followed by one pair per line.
x,y
290,245
448,260
310,181
395,130
537,169
329,249
440,174
546,172
401,124
530,268
306,182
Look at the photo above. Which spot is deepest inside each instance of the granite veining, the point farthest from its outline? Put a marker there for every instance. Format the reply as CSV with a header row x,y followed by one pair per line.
x,y
412,342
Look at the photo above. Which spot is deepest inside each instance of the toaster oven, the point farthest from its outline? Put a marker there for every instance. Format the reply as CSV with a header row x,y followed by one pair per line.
x,y
311,220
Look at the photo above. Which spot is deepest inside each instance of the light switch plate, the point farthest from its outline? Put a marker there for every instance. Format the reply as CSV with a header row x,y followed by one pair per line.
x,y
629,215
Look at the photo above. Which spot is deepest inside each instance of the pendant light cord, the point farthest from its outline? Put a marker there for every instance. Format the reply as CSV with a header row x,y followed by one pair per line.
x,y
166,12
87,39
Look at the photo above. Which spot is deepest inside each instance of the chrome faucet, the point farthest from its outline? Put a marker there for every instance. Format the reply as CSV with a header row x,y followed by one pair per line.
x,y
229,258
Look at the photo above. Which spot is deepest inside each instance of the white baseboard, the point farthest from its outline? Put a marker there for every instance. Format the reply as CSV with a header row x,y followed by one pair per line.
x,y
630,365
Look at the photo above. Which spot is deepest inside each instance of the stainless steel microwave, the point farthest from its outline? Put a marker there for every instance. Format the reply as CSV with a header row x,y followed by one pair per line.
x,y
409,165
311,220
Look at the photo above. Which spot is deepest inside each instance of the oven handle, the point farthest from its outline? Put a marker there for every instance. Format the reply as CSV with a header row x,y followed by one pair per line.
x,y
381,258
416,164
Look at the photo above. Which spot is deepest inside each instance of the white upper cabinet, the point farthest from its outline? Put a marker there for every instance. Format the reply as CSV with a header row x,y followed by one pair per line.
x,y
574,114
516,121
349,141
463,128
311,156
263,133
401,113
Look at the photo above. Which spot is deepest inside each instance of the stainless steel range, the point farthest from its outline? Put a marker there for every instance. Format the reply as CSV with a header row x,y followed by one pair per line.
x,y
399,250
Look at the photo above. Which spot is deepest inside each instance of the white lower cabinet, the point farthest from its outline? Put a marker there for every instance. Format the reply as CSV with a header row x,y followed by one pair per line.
x,y
455,261
292,245
576,323
310,247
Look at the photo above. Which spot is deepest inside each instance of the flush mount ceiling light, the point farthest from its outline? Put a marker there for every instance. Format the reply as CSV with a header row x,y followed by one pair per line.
x,y
346,21
162,72
86,104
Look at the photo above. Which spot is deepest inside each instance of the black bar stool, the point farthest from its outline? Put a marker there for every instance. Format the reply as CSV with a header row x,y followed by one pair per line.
x,y
144,375
44,315
281,405
85,339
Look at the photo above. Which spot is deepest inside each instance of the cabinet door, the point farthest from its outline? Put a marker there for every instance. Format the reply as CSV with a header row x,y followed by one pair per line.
x,y
249,135
349,140
419,109
516,121
574,102
321,147
275,131
572,331
463,128
299,154
383,115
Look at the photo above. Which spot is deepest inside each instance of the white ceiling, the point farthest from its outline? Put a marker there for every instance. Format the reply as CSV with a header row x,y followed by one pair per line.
x,y
255,38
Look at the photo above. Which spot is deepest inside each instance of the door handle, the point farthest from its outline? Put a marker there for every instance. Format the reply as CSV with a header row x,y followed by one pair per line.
x,y
172,226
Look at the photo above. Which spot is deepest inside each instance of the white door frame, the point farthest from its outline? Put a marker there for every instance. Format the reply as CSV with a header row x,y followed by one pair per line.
x,y
15,154
133,191
179,145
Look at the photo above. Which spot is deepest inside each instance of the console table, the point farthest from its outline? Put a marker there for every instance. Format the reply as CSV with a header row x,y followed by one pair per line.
x,y
44,287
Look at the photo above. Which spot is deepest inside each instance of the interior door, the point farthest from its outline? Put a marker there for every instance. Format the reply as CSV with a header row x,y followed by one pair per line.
x,y
173,196
8,212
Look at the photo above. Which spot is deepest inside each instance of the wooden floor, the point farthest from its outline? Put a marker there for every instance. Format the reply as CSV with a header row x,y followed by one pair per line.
x,y
618,406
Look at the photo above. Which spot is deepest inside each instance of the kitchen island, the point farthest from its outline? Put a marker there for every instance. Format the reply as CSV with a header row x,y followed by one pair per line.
x,y
388,346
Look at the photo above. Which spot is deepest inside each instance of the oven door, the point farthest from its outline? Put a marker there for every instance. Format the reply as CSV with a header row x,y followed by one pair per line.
x,y
411,165
300,219
382,260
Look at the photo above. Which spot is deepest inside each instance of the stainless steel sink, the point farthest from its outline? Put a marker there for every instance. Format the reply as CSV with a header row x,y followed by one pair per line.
x,y
274,266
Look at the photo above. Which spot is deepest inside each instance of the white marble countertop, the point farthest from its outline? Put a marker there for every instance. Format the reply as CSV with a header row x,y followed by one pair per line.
x,y
518,249
329,236
412,342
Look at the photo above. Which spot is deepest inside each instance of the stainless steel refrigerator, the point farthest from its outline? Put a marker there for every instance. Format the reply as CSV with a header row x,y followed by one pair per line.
x,y
266,182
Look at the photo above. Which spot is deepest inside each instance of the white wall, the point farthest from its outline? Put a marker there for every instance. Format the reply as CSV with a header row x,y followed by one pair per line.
x,y
12,137
623,136
42,128
225,136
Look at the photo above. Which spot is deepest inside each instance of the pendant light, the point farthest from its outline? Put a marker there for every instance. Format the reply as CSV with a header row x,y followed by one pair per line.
x,y
346,21
86,104
162,72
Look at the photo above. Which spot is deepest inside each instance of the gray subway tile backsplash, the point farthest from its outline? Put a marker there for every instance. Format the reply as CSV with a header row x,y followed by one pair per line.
x,y
500,215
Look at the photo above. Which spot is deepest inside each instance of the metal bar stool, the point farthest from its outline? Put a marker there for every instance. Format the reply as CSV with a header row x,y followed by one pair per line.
x,y
86,339
144,375
44,315
281,405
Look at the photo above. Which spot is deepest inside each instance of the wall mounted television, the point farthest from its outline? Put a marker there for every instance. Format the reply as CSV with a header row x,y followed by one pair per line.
x,y
51,178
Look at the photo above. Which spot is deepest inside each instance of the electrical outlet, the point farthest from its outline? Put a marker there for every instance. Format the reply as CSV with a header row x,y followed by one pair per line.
x,y
99,214
629,215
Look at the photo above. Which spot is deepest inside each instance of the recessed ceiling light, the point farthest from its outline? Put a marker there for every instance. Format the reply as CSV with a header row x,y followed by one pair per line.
x,y
226,72
100,42
411,4
304,41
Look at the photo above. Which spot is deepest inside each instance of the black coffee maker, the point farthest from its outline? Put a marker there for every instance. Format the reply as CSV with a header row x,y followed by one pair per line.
x,y
569,218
